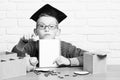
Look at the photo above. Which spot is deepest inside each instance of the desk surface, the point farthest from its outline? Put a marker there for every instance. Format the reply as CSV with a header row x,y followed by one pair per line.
x,y
113,73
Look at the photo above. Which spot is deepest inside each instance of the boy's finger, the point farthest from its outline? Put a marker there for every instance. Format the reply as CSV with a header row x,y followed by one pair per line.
x,y
25,37
57,63
54,65
34,37
54,61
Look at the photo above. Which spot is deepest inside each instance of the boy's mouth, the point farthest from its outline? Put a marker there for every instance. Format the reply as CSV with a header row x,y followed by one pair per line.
x,y
47,34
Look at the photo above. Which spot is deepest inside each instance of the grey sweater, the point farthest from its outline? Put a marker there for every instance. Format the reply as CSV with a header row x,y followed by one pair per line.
x,y
67,50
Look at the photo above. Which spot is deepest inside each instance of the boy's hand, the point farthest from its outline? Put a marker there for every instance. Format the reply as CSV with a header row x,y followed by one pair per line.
x,y
30,37
31,63
62,61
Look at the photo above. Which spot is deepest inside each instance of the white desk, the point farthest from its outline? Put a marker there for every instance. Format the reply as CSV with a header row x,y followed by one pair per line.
x,y
113,73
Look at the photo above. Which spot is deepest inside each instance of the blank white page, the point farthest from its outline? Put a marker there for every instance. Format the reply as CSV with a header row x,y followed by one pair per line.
x,y
49,50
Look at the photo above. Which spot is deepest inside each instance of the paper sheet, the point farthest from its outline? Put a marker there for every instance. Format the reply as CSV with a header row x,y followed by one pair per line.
x,y
49,50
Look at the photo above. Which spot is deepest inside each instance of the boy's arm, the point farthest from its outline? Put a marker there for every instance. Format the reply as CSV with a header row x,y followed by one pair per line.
x,y
76,61
73,54
25,39
19,48
21,44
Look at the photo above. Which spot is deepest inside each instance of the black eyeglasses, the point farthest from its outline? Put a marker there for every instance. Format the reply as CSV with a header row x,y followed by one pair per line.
x,y
50,27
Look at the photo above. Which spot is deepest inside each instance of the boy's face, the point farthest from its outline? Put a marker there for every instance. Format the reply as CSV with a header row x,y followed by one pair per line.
x,y
46,27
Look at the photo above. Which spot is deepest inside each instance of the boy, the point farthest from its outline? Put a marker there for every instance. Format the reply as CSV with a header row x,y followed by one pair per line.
x,y
47,19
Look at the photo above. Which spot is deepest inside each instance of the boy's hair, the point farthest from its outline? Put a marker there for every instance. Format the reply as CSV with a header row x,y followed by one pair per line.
x,y
44,14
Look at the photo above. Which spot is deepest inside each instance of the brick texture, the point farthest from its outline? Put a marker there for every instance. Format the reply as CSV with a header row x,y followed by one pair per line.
x,y
91,24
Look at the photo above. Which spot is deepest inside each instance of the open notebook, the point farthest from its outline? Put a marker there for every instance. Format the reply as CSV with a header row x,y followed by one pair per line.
x,y
49,50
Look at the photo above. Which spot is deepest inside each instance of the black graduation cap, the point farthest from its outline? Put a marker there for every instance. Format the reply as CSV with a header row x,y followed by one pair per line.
x,y
49,10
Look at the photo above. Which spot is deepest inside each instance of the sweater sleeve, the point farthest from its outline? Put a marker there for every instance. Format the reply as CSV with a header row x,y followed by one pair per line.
x,y
24,47
19,52
30,48
73,53
19,48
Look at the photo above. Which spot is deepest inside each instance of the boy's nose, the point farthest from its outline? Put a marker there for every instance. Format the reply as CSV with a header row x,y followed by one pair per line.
x,y
46,29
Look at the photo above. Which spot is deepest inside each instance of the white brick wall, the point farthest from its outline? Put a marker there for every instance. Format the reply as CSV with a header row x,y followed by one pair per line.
x,y
90,25
8,23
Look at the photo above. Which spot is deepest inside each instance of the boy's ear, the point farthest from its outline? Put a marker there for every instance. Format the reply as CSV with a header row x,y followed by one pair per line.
x,y
35,31
58,32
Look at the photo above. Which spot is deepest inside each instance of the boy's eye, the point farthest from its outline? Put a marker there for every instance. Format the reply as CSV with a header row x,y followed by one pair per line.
x,y
41,26
52,26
